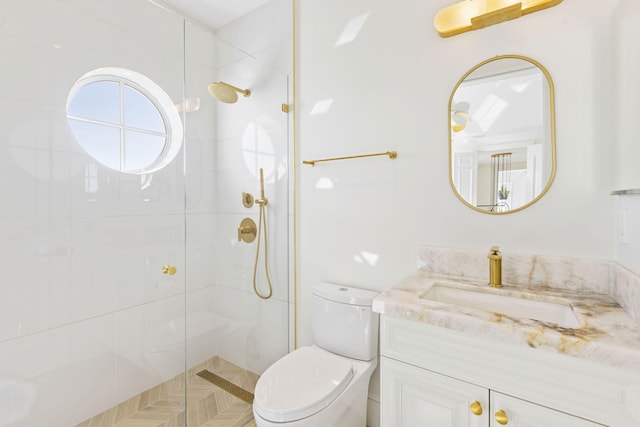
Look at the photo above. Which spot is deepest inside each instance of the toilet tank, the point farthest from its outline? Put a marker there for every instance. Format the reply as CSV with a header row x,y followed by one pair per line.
x,y
343,322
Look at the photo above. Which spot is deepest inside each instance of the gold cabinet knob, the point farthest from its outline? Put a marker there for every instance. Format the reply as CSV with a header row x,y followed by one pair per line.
x,y
169,269
476,408
501,417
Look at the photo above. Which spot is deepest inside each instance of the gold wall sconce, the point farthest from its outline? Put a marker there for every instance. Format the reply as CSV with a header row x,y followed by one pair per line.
x,y
469,15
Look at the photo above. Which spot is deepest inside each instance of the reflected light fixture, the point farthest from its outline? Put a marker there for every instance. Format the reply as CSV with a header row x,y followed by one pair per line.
x,y
189,105
460,116
469,15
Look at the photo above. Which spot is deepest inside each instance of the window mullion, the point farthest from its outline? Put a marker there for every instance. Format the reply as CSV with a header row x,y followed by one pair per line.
x,y
122,128
143,143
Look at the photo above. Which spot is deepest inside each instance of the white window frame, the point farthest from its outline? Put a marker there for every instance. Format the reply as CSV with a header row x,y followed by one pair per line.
x,y
155,94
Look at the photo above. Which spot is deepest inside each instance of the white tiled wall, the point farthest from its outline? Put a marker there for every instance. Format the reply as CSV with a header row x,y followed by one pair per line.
x,y
82,244
87,319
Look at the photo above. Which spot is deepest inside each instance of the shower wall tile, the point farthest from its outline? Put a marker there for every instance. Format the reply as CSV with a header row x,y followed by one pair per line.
x,y
201,45
35,355
263,108
45,360
200,150
201,252
232,119
130,22
267,25
99,191
234,260
82,268
30,26
227,54
34,368
24,66
200,178
37,161
135,372
278,56
36,290
266,341
92,382
118,260
200,122
251,341
243,166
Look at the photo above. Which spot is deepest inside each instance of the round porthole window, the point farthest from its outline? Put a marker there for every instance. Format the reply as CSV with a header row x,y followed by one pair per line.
x,y
124,120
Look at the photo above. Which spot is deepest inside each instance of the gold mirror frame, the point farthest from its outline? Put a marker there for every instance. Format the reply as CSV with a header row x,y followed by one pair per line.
x,y
551,133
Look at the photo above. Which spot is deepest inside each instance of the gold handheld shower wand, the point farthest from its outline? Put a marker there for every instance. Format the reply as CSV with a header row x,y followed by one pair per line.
x,y
262,201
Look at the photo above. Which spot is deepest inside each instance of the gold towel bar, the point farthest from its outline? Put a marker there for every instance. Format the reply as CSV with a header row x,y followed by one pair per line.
x,y
391,154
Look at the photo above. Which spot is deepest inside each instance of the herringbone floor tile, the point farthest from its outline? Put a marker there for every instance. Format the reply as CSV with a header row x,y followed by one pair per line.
x,y
207,404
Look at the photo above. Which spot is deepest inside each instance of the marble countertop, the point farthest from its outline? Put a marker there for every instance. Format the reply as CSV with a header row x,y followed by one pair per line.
x,y
606,333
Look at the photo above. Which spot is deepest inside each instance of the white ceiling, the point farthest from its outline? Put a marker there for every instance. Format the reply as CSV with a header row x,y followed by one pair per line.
x,y
212,13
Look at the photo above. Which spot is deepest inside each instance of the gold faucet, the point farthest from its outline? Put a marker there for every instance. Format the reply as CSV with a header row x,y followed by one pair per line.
x,y
495,267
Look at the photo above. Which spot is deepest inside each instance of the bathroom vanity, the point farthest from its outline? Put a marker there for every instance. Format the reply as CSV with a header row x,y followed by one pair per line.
x,y
551,348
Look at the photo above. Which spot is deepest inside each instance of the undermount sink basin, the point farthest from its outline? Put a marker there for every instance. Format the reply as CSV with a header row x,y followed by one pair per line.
x,y
512,306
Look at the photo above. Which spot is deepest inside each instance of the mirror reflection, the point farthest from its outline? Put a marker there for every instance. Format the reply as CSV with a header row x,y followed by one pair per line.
x,y
502,134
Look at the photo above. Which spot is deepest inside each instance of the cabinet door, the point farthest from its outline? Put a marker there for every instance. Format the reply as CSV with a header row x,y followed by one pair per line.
x,y
414,397
520,413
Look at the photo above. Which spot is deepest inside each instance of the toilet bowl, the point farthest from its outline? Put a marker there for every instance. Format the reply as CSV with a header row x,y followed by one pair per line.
x,y
325,384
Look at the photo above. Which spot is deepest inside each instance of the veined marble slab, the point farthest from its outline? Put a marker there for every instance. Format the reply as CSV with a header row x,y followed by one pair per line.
x,y
602,295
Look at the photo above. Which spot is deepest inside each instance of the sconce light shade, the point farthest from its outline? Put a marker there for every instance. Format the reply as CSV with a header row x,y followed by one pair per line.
x,y
470,15
460,116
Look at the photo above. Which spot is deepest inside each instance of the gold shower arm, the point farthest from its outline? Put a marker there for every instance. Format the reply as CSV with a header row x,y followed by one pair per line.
x,y
391,154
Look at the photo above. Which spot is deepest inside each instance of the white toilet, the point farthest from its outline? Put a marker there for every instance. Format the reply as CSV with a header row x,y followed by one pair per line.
x,y
324,385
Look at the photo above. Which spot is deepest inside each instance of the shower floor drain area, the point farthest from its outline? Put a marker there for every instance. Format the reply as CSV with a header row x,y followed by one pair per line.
x,y
226,385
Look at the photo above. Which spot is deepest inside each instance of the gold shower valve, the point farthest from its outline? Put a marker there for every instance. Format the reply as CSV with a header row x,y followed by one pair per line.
x,y
169,269
247,200
247,231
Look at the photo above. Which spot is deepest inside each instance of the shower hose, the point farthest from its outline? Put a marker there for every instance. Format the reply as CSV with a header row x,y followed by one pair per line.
x,y
262,225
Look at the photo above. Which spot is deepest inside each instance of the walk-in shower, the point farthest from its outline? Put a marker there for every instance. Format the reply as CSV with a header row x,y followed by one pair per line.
x,y
122,270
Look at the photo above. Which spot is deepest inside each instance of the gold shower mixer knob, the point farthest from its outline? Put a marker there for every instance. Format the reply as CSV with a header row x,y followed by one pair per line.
x,y
247,231
169,269
247,200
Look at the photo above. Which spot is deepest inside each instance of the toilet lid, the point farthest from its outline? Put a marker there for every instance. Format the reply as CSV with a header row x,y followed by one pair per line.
x,y
300,384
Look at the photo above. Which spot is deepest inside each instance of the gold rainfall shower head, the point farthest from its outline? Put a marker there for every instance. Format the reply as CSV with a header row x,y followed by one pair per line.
x,y
227,93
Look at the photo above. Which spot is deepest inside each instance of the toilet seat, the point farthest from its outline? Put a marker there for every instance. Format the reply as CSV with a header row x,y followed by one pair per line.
x,y
301,384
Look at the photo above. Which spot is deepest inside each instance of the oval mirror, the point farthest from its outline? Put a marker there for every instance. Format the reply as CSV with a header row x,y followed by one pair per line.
x,y
502,147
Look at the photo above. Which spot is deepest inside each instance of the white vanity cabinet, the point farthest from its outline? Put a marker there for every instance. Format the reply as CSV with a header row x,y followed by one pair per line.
x,y
519,413
415,397
435,377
